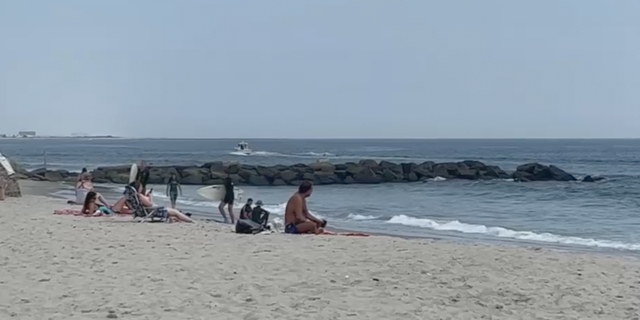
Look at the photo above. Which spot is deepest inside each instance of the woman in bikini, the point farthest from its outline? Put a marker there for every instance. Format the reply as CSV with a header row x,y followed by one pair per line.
x,y
90,206
84,185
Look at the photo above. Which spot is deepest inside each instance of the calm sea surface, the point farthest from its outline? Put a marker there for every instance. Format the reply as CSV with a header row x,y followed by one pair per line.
x,y
603,215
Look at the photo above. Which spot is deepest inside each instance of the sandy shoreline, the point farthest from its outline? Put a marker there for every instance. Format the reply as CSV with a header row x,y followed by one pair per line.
x,y
63,267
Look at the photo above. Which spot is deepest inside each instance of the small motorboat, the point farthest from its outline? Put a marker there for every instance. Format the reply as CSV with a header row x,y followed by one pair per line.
x,y
243,147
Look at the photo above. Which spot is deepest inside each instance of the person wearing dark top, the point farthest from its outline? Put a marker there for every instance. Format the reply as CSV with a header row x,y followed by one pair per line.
x,y
173,186
260,215
143,175
245,213
228,201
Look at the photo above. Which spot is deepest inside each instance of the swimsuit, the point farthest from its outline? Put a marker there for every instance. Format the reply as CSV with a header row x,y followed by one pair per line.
x,y
173,190
228,196
291,228
160,213
105,210
246,212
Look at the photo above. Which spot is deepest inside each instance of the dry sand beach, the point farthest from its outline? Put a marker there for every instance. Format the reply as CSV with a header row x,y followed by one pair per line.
x,y
64,267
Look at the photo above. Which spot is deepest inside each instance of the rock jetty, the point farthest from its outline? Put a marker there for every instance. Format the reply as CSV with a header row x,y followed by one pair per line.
x,y
320,173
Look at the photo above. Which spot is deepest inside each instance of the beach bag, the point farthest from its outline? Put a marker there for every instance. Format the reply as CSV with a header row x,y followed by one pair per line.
x,y
246,226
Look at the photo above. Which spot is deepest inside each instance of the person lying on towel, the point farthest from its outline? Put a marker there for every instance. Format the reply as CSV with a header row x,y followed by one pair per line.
x,y
297,219
90,206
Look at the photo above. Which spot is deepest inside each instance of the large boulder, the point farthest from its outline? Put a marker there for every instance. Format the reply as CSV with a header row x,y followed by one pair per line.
x,y
494,172
323,166
537,172
56,175
592,179
389,175
368,163
267,172
321,177
367,176
289,176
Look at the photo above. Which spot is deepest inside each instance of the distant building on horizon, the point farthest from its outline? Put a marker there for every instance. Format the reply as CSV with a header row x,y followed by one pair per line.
x,y
26,134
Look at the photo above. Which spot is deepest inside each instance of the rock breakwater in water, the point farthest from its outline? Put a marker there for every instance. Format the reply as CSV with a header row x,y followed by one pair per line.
x,y
321,173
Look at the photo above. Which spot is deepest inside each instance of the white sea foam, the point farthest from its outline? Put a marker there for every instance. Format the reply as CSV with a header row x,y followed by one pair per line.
x,y
319,154
359,217
508,233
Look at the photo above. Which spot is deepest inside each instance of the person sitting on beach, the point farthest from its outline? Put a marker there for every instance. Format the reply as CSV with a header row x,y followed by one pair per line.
x,y
245,212
259,215
173,186
229,196
91,207
297,219
84,185
161,212
82,176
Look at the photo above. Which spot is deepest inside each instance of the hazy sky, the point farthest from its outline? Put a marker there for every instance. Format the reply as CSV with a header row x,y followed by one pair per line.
x,y
321,69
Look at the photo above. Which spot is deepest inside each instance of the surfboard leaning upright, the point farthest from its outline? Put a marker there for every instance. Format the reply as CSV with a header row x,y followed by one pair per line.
x,y
133,173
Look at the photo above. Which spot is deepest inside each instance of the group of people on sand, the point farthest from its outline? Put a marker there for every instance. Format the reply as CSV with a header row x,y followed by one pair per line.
x,y
145,196
297,218
93,203
256,214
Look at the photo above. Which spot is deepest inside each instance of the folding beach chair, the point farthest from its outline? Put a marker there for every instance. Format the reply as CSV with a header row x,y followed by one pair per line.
x,y
139,211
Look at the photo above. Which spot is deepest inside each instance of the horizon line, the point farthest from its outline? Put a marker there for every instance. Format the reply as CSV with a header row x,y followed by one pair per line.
x,y
320,138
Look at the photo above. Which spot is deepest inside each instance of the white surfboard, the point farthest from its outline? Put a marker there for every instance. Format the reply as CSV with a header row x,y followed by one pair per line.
x,y
133,173
216,193
7,166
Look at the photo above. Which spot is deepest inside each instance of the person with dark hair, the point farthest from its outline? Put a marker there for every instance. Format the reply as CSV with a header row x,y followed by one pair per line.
x,y
82,176
91,207
297,219
143,175
245,213
84,185
229,196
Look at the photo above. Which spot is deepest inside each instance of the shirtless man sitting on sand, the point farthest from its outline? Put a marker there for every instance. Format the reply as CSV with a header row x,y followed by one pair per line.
x,y
297,219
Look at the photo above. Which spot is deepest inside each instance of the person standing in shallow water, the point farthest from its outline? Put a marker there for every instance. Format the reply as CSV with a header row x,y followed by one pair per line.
x,y
173,187
228,201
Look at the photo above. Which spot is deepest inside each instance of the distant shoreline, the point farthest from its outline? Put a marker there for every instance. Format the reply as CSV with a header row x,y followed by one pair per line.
x,y
62,137
321,139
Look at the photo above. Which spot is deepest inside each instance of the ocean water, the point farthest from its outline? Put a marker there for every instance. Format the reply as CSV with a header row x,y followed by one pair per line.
x,y
603,215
